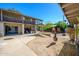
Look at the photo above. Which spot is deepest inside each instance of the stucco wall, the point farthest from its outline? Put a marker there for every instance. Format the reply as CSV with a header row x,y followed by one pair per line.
x,y
20,27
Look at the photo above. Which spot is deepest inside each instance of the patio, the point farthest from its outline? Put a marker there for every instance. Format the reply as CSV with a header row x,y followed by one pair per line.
x,y
36,45
16,46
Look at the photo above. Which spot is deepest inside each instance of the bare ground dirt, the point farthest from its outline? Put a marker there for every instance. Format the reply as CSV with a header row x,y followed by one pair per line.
x,y
61,48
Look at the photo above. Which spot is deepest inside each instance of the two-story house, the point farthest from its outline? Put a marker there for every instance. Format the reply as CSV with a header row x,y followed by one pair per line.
x,y
12,22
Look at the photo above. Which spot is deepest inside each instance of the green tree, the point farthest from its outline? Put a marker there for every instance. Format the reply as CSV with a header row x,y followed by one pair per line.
x,y
62,24
47,26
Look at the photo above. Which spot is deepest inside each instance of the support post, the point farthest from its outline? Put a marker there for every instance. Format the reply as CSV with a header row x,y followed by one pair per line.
x,y
1,16
2,29
22,28
35,28
2,25
75,32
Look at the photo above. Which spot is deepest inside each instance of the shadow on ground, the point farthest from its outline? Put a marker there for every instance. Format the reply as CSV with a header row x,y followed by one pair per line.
x,y
47,34
68,50
53,43
37,35
8,38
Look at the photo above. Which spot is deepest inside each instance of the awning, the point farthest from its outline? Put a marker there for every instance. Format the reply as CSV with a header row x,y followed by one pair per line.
x,y
71,11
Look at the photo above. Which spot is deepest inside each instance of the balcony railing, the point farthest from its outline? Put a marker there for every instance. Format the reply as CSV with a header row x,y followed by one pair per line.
x,y
10,19
29,22
33,22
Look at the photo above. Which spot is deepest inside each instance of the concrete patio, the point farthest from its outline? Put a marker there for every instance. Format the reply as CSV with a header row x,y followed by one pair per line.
x,y
36,45
16,46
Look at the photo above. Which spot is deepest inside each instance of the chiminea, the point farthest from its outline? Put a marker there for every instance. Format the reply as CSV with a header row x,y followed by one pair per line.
x,y
55,37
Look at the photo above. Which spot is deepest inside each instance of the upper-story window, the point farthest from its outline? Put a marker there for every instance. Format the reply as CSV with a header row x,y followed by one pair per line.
x,y
28,19
21,18
9,16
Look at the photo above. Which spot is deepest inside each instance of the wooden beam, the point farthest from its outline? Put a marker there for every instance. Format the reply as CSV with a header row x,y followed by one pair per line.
x,y
73,15
66,5
73,20
72,11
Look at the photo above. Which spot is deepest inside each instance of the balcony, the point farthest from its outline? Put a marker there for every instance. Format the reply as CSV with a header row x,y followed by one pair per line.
x,y
29,22
10,19
33,22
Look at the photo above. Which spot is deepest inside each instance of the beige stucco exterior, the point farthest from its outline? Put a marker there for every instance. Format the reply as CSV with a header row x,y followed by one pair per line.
x,y
10,24
10,19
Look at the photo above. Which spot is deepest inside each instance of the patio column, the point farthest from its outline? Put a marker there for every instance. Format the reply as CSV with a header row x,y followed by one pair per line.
x,y
35,28
1,16
2,29
19,30
22,28
75,26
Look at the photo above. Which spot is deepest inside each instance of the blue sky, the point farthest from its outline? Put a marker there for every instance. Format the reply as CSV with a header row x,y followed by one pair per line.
x,y
48,12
